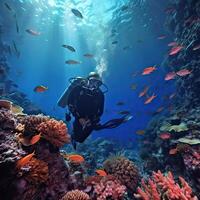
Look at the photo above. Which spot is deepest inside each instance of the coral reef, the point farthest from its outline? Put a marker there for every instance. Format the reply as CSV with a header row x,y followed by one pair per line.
x,y
124,170
76,195
164,187
55,132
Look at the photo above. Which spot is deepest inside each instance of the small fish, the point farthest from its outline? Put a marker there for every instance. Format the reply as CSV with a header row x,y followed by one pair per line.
x,y
77,13
88,55
161,37
114,42
175,50
173,151
17,52
101,172
35,139
172,96
165,136
196,47
169,10
183,72
17,26
25,160
144,91
172,44
32,32
72,62
133,86
71,48
76,158
8,7
16,109
126,47
140,132
40,88
120,103
148,70
150,99
124,112
170,76
159,109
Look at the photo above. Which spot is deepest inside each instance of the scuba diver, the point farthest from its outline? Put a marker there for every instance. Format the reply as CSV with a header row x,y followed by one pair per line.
x,y
85,101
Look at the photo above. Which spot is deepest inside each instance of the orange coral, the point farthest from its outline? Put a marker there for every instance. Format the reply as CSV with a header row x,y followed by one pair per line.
x,y
38,172
165,187
55,132
76,195
124,170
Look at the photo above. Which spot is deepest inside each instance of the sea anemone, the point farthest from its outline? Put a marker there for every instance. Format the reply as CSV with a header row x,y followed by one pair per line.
x,y
76,195
124,170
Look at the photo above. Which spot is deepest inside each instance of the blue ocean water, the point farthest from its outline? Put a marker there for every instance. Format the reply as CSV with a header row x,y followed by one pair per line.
x,y
134,24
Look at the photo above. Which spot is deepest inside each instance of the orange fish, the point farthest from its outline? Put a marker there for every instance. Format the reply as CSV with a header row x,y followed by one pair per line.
x,y
144,91
175,50
35,139
101,172
150,99
148,70
170,76
165,136
160,109
183,72
76,158
23,161
140,132
40,88
173,151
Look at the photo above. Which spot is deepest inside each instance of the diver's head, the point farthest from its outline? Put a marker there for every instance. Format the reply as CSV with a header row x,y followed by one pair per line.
x,y
94,79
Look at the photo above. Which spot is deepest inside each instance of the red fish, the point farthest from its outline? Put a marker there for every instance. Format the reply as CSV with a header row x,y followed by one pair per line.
x,y
161,37
183,72
172,44
32,32
23,161
35,139
173,151
150,99
148,70
101,172
175,50
165,136
170,76
144,91
40,88
196,47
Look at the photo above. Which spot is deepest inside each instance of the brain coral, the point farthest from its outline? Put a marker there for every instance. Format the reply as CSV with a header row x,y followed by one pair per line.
x,y
124,170
76,195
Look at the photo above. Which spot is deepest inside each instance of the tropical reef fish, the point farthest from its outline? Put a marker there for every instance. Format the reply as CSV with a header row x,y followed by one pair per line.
x,y
175,50
172,44
173,151
72,62
170,76
101,172
32,32
150,99
196,47
71,48
35,139
88,55
144,91
169,10
161,37
40,88
140,132
114,42
75,158
124,112
25,160
183,72
172,95
148,70
17,26
16,109
77,13
8,7
165,136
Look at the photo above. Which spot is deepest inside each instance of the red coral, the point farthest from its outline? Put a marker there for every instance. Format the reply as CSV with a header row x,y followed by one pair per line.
x,y
165,187
109,187
55,132
76,195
